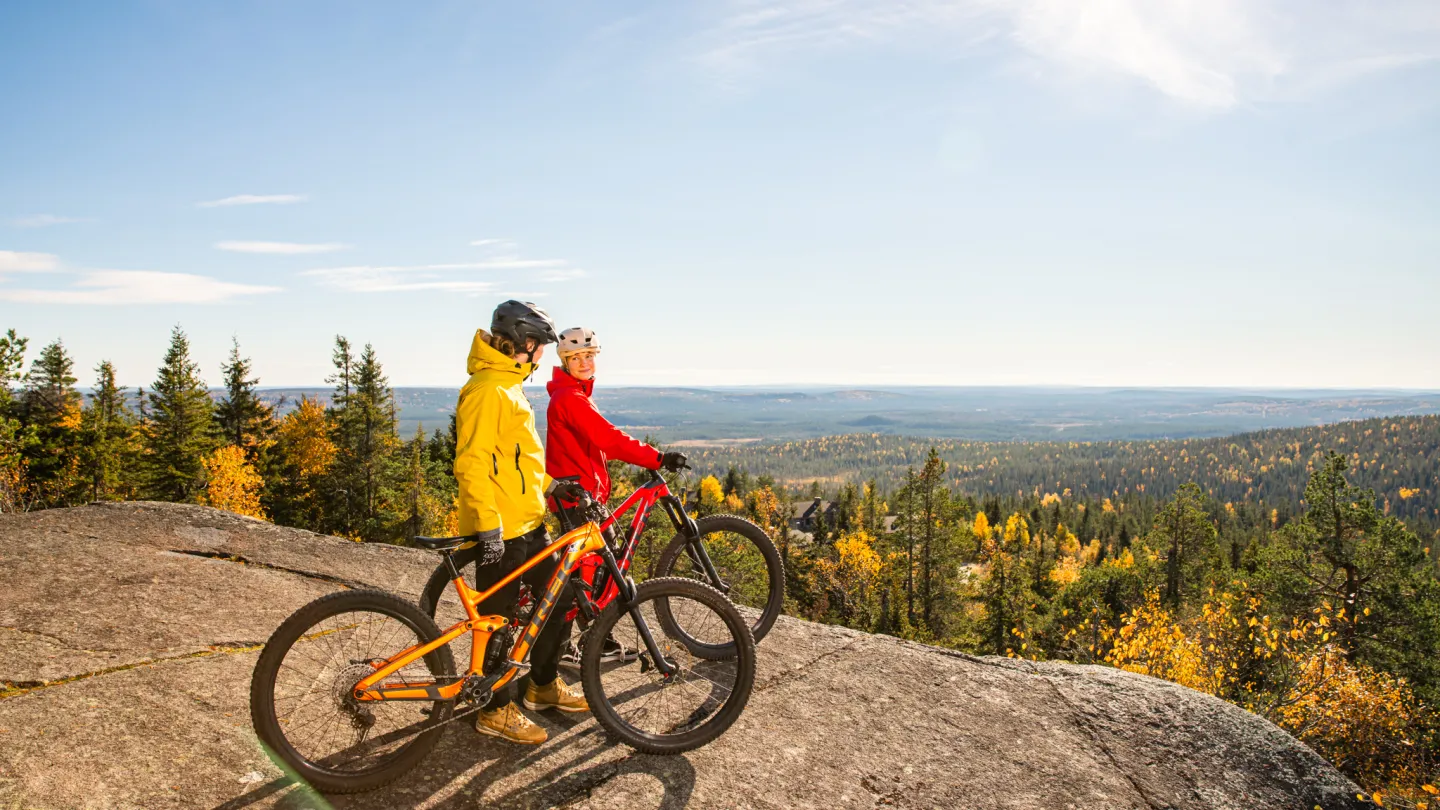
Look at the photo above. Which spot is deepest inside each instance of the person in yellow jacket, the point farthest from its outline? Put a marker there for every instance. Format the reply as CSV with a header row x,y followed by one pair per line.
x,y
500,468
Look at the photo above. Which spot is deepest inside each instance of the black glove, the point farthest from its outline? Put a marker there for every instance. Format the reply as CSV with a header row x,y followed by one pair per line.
x,y
565,490
492,547
674,462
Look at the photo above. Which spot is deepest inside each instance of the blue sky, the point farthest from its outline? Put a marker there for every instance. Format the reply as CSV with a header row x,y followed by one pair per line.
x,y
1090,192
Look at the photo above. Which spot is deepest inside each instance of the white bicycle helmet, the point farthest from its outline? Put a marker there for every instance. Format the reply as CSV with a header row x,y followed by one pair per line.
x,y
577,339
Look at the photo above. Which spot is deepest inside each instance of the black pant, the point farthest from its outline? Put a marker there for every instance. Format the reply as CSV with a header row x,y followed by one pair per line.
x,y
545,653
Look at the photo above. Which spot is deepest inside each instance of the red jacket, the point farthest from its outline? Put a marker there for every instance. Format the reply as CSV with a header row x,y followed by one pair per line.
x,y
578,440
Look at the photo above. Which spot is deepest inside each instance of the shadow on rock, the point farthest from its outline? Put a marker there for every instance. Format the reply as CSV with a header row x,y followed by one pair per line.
x,y
467,770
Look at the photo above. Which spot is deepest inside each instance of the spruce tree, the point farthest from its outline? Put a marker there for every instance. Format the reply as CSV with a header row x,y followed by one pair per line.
x,y
180,430
363,429
50,393
51,410
108,427
243,419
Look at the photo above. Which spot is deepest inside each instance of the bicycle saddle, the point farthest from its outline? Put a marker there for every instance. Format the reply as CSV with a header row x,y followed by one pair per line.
x,y
443,543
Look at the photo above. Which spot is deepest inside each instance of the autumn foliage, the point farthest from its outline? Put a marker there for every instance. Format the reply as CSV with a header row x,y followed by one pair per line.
x,y
231,483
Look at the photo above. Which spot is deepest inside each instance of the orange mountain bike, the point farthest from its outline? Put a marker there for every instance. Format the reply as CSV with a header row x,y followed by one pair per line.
x,y
355,688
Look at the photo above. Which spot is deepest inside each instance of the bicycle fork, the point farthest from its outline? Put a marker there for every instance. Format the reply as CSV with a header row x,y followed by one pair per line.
x,y
626,586
694,549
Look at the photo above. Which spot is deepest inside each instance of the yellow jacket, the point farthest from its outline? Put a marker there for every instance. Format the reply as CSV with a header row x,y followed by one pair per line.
x,y
498,460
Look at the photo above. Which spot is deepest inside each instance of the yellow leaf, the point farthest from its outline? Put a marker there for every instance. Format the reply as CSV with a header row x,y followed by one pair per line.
x,y
1429,789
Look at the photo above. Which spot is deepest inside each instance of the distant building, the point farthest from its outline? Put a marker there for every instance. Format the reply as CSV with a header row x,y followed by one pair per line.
x,y
804,518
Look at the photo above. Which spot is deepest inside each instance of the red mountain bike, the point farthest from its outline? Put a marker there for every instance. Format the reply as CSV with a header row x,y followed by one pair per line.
x,y
726,552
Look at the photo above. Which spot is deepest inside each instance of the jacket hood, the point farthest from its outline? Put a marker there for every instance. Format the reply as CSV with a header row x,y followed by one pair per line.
x,y
562,381
483,356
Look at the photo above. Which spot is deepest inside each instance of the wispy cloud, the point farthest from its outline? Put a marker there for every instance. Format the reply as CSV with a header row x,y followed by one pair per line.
x,y
44,220
128,287
1212,54
368,279
253,199
15,262
282,248
399,278
494,243
562,274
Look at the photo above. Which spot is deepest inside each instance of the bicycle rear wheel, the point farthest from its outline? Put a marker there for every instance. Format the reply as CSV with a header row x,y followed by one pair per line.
x,y
300,694
658,714
749,568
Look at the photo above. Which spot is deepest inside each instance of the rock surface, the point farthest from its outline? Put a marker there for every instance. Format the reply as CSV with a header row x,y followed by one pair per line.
x,y
128,633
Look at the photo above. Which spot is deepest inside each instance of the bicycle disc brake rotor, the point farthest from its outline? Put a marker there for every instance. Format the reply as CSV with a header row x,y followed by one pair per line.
x,y
675,655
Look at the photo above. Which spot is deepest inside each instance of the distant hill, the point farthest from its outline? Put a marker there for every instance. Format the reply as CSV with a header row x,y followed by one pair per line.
x,y
985,414
1398,457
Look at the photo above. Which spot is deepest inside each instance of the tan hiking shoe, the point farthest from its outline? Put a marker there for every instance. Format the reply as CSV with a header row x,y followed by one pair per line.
x,y
508,723
556,695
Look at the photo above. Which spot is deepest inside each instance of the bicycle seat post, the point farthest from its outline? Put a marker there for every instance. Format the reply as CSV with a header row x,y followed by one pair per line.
x,y
450,565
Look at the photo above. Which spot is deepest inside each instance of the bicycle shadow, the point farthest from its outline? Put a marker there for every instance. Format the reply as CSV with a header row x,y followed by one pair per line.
x,y
468,770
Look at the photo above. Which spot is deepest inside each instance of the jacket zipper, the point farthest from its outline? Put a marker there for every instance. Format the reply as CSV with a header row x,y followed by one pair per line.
x,y
519,471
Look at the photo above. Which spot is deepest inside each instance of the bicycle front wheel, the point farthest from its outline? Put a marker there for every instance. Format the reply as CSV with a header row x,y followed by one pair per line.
x,y
750,571
657,713
301,694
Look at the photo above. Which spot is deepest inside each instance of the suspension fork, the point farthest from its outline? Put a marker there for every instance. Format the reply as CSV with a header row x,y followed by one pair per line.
x,y
694,548
626,586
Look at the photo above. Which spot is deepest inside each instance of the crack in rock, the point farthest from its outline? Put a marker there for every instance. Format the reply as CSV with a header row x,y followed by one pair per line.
x,y
243,560
796,672
1083,724
49,636
10,689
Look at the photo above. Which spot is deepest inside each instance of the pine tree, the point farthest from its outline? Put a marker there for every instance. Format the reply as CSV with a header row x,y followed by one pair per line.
x,y
51,410
12,364
934,536
109,430
1346,553
1184,536
872,511
14,490
180,430
243,419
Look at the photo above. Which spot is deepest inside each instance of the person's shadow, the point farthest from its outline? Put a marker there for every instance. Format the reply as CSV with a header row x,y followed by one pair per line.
x,y
465,767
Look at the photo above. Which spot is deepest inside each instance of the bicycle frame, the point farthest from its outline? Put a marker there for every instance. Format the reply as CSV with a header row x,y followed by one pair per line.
x,y
642,500
584,540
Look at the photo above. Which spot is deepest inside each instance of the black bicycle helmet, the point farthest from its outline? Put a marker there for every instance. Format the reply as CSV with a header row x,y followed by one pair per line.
x,y
521,321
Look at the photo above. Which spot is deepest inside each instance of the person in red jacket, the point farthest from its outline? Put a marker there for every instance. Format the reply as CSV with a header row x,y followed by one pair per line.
x,y
579,440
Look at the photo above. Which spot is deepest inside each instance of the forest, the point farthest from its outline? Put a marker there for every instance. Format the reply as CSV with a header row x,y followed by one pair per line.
x,y
1291,572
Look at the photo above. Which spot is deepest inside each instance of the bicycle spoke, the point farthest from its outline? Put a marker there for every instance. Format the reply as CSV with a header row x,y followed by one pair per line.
x,y
320,718
658,705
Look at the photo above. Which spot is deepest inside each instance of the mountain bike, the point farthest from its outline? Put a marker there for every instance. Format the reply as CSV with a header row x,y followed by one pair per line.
x,y
726,552
354,689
